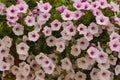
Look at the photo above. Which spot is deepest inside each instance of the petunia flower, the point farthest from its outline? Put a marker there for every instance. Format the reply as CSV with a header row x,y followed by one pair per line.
x,y
51,41
114,7
30,21
83,43
93,28
102,20
55,25
44,7
81,28
47,31
67,15
93,52
61,8
22,48
33,36
18,29
75,50
103,4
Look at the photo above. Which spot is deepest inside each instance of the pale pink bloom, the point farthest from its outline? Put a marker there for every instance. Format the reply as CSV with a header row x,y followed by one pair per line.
x,y
30,58
51,41
23,56
75,50
43,17
1,43
82,63
70,30
93,28
38,78
4,66
102,57
31,76
104,66
47,31
49,69
12,18
44,7
110,27
67,15
65,35
10,59
53,57
66,24
77,15
94,74
78,5
66,63
81,28
30,20
12,10
91,60
38,27
11,24
93,52
33,36
102,20
4,51
2,9
88,35
7,41
61,77
22,64
40,73
83,43
117,70
114,7
104,75
114,45
103,4
80,76
94,5
55,25
18,29
114,35
20,76
60,46
61,8
22,7
25,70
22,48
14,69
71,73
86,6
43,60
97,12
112,60
34,65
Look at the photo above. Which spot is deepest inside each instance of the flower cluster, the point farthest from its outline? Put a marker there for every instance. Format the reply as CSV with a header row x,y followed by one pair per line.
x,y
60,42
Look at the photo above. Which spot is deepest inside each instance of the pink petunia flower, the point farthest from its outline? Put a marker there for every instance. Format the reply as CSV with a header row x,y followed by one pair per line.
x,y
77,15
82,28
103,4
33,36
18,29
30,21
47,31
93,28
102,20
78,5
22,48
44,7
12,10
114,45
67,15
60,46
93,52
56,25
22,7
61,8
